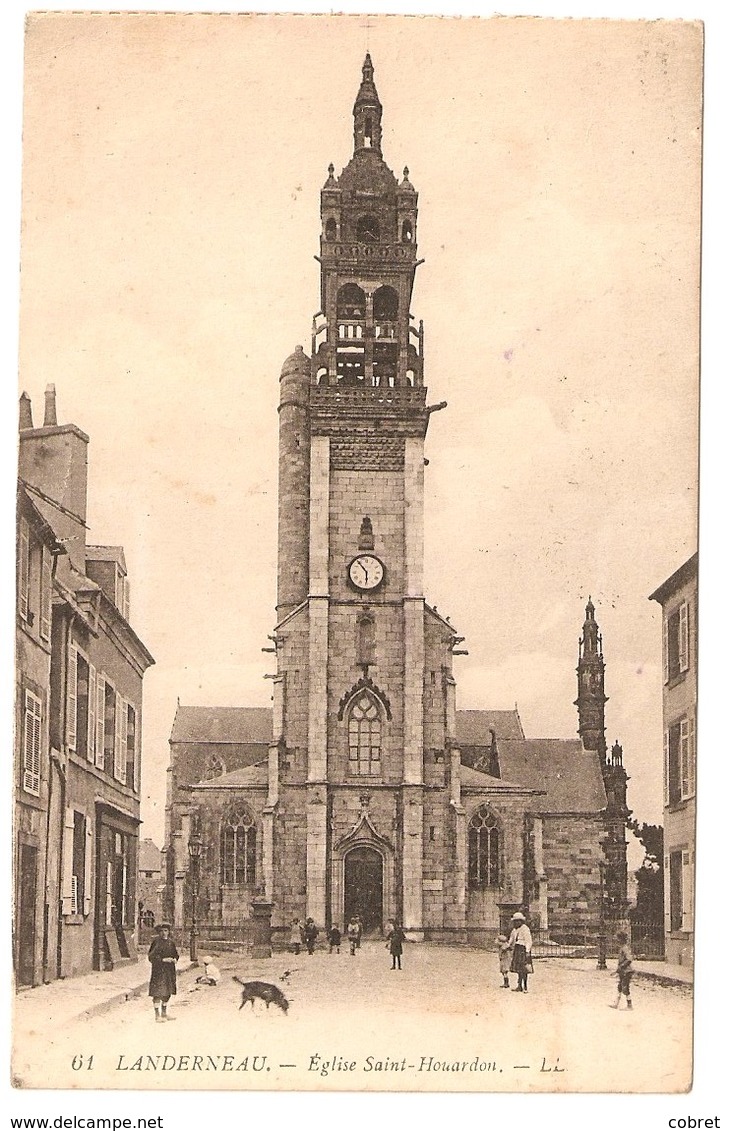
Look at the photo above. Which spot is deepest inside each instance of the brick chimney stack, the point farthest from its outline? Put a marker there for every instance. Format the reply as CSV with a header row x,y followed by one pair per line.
x,y
25,416
50,415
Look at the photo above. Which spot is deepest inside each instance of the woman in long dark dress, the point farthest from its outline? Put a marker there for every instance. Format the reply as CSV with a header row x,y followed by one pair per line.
x,y
163,979
396,939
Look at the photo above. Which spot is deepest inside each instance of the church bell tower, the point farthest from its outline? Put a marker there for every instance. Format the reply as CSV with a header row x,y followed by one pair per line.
x,y
355,641
592,699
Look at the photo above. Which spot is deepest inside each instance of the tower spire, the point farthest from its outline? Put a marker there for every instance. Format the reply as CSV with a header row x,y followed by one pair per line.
x,y
591,699
364,335
367,112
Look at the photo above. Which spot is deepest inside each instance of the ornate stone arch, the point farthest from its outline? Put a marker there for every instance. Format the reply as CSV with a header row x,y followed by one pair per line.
x,y
364,836
364,684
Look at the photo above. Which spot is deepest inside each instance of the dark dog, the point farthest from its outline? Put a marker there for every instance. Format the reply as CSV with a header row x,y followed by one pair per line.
x,y
264,991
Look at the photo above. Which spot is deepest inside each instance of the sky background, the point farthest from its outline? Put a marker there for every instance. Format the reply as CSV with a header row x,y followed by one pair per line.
x,y
185,1109
172,169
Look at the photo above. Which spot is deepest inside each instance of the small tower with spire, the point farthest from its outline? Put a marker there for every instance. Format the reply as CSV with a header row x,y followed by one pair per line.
x,y
591,703
592,698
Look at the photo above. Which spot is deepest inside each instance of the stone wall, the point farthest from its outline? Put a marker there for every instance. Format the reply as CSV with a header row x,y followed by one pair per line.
x,y
572,854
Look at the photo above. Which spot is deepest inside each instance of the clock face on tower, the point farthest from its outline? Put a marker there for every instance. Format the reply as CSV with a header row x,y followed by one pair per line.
x,y
366,572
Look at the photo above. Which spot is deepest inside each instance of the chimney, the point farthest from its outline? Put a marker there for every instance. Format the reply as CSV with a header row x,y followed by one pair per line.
x,y
26,412
50,416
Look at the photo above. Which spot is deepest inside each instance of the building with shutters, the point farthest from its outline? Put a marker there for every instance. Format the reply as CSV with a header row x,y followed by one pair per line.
x,y
77,817
678,599
364,790
38,552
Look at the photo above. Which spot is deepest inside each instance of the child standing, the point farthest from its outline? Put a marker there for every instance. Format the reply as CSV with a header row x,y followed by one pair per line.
x,y
624,970
396,938
310,934
505,959
335,938
296,937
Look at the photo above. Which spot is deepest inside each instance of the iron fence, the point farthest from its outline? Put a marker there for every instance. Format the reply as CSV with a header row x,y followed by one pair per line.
x,y
580,941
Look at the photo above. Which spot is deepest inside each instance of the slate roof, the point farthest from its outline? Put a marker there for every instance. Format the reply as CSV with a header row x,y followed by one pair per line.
x,y
256,776
473,727
476,779
680,577
243,726
570,775
367,171
150,857
107,554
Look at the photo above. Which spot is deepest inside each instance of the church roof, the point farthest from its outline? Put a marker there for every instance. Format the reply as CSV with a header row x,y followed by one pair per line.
x,y
240,725
570,775
366,171
473,727
256,776
476,779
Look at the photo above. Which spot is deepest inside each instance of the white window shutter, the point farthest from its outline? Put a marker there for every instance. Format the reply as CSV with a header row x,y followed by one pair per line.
x,y
87,867
71,697
118,760
91,718
100,712
123,705
24,568
692,763
683,636
46,587
666,767
665,647
684,754
667,898
32,743
67,892
137,751
687,892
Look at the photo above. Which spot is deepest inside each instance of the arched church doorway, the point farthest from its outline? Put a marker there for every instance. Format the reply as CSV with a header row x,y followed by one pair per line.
x,y
364,887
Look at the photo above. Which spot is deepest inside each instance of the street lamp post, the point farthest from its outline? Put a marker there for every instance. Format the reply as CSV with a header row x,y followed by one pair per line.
x,y
195,848
601,918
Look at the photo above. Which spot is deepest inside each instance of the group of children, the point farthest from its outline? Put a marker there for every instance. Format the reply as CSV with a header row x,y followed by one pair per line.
x,y
515,957
306,933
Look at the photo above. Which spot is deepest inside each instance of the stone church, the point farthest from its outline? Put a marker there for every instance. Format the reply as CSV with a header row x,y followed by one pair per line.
x,y
364,789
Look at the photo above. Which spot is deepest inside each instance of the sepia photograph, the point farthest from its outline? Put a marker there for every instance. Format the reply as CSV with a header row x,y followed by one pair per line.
x,y
356,605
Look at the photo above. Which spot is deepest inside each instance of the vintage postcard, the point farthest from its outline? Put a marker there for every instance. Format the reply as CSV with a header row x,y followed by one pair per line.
x,y
357,512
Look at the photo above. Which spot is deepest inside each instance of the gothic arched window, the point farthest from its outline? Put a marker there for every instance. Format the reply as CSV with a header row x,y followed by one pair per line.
x,y
364,735
484,849
238,848
407,232
330,229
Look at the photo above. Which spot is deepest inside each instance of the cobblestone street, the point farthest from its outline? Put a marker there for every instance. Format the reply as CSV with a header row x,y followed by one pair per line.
x,y
442,1023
